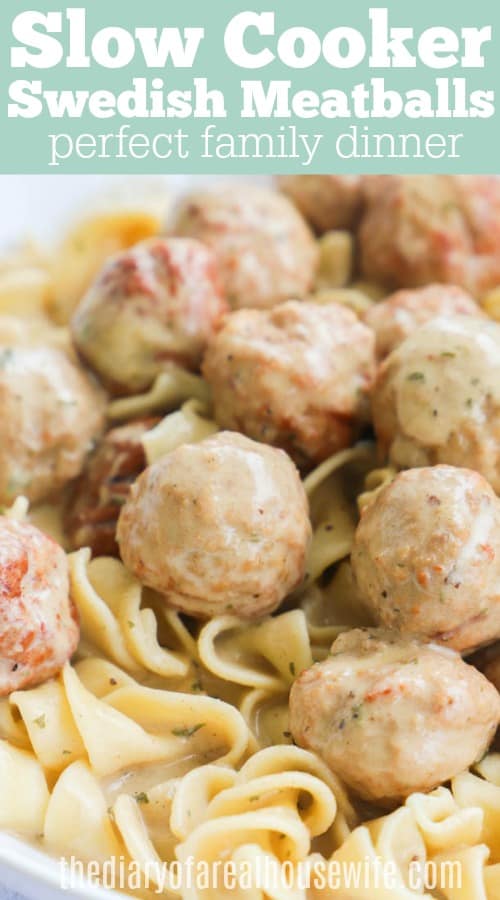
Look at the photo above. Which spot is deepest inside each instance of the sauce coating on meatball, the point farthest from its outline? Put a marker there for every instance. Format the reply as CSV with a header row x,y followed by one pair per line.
x,y
426,556
52,412
265,251
156,303
437,397
387,714
417,229
395,318
38,621
221,526
296,376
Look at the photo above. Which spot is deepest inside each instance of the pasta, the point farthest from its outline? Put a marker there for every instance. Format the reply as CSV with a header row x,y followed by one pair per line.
x,y
165,745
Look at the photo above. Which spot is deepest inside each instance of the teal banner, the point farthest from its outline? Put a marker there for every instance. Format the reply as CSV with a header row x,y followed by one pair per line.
x,y
237,87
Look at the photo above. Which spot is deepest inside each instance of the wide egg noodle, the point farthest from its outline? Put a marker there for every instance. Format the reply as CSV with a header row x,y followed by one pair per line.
x,y
171,388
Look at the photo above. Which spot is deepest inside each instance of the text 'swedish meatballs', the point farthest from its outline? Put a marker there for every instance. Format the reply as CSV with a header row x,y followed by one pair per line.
x,y
393,716
265,251
52,412
218,527
437,397
399,315
326,201
296,376
418,229
38,621
155,304
426,556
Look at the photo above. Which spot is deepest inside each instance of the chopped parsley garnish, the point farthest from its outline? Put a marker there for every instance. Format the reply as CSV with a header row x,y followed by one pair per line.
x,y
188,732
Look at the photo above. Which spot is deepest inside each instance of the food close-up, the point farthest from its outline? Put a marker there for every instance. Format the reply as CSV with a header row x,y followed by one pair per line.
x,y
250,536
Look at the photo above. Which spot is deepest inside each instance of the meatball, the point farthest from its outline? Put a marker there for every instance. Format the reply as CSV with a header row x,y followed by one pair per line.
x,y
296,376
393,716
155,304
426,556
437,397
219,526
94,503
265,251
38,621
423,228
326,201
51,413
400,314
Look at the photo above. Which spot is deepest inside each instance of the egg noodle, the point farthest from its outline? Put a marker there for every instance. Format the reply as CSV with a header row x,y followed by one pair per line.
x,y
162,754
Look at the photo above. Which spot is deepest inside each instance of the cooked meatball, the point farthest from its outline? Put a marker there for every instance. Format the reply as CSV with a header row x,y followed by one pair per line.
x,y
423,228
38,621
265,251
426,556
326,201
437,397
393,716
296,376
95,500
401,314
152,305
51,413
220,526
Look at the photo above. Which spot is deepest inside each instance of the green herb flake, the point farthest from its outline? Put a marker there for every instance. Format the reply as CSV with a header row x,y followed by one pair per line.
x,y
292,669
415,376
40,721
142,797
67,752
188,732
356,711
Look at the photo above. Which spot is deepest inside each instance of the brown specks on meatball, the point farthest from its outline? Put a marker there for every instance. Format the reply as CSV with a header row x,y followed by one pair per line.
x,y
38,622
51,413
221,526
437,397
418,229
265,251
395,318
155,304
95,500
296,376
326,201
392,716
426,556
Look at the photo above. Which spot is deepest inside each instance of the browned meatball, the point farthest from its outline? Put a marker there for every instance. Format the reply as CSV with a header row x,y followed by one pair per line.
x,y
401,314
219,526
393,716
38,621
52,412
437,397
152,305
326,201
265,251
423,228
296,376
426,556
94,503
